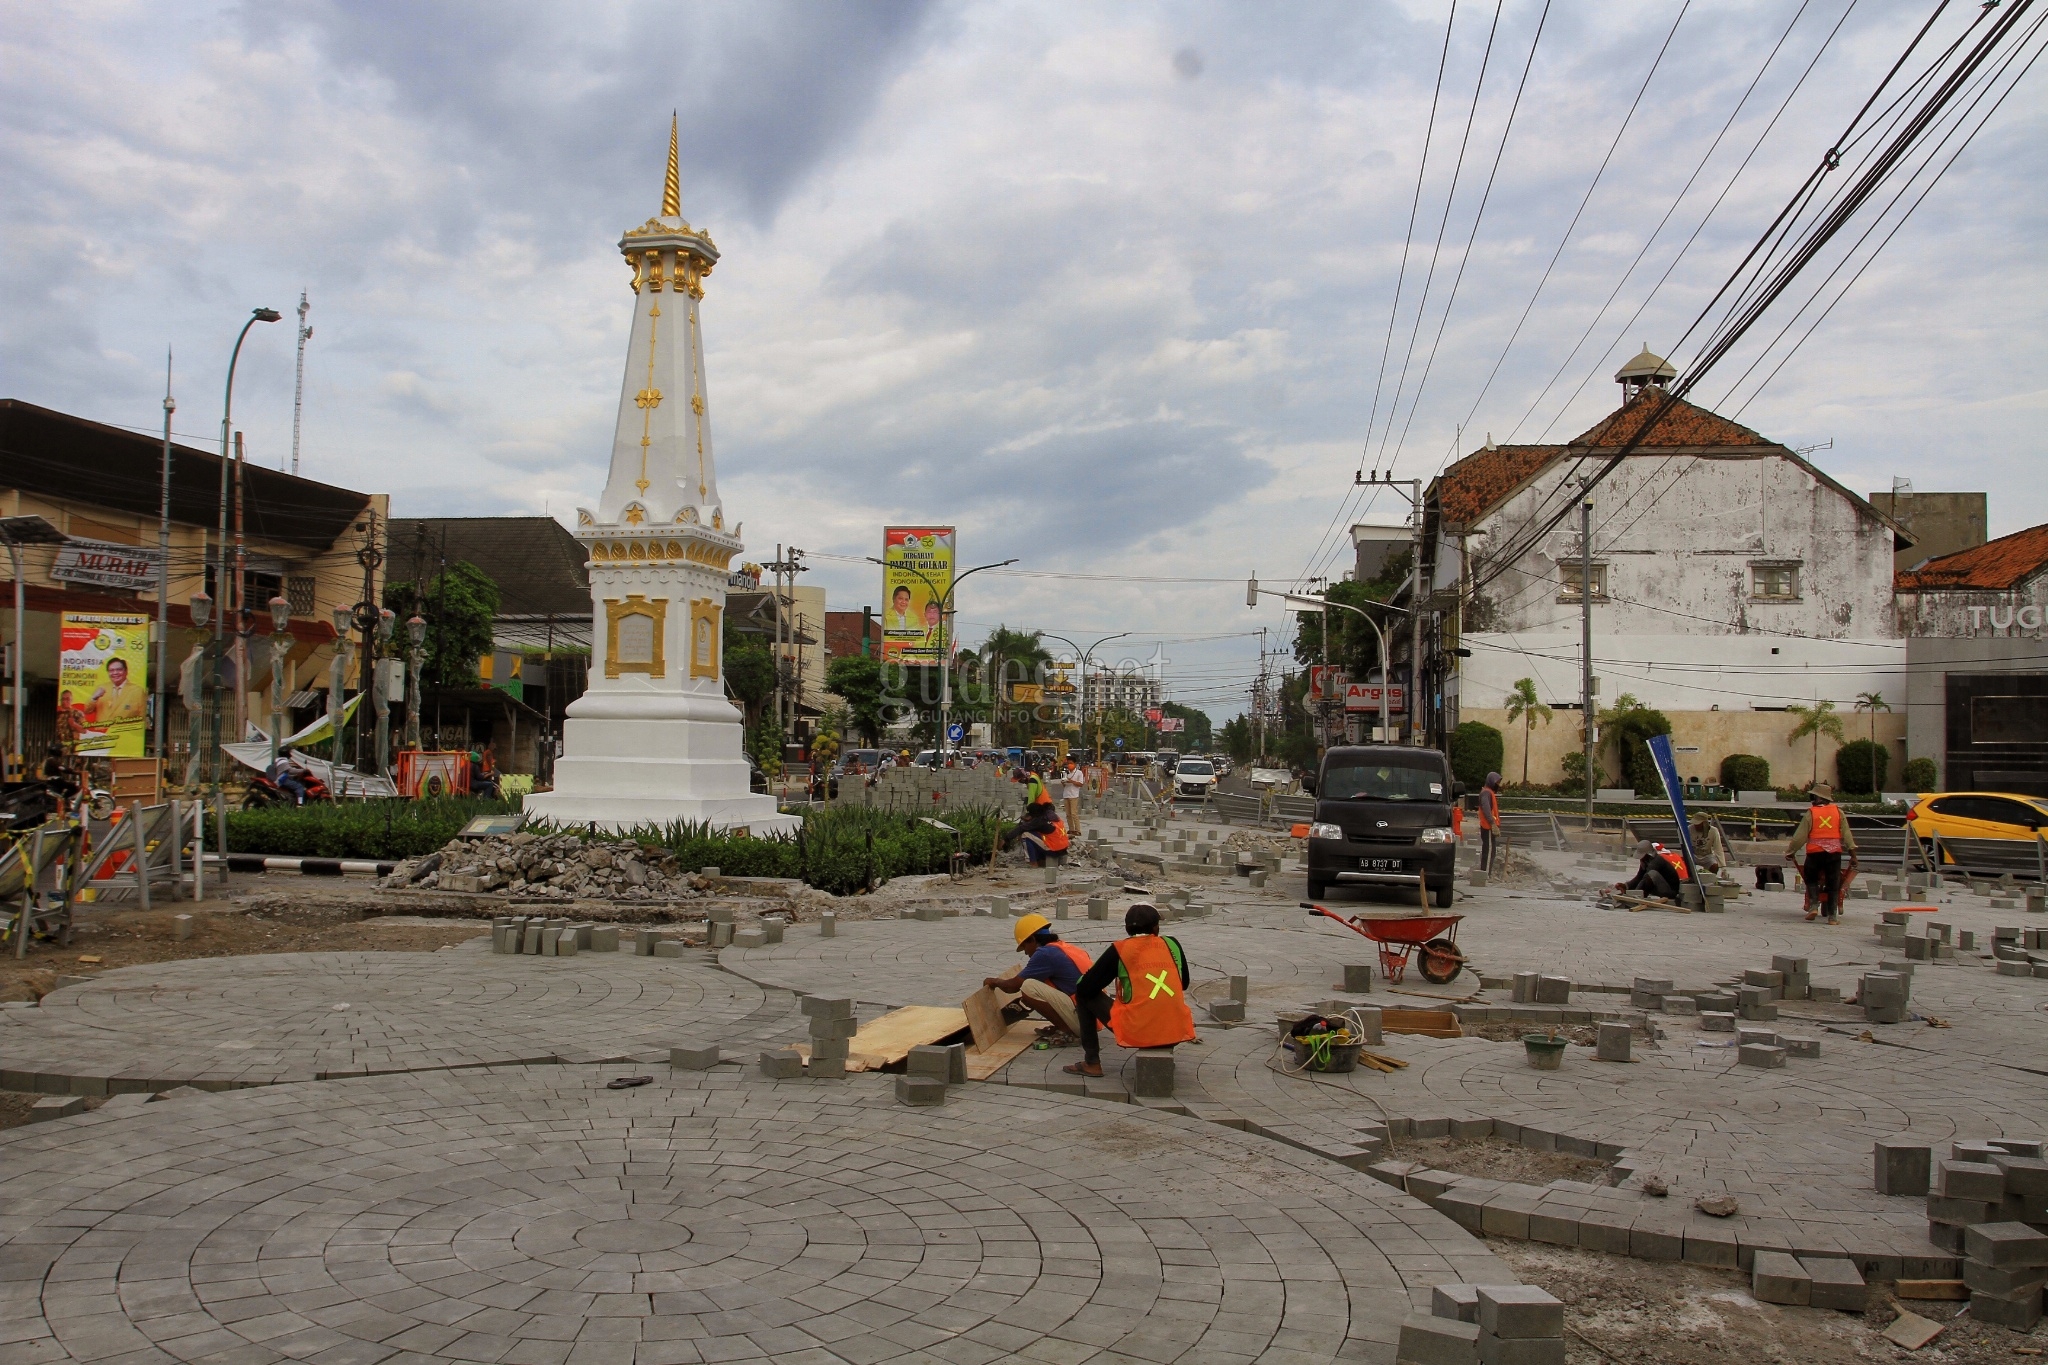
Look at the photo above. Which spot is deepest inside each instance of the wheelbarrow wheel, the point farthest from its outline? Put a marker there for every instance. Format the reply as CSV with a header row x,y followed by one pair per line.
x,y
1440,961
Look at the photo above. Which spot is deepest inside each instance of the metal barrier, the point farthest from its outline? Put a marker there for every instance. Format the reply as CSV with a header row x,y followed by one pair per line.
x,y
2023,858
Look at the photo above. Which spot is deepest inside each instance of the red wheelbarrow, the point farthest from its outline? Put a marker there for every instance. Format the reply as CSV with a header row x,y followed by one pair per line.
x,y
1401,936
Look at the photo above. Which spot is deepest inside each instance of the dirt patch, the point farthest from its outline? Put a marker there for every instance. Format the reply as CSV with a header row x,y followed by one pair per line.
x,y
1496,1159
269,923
14,1106
1621,1311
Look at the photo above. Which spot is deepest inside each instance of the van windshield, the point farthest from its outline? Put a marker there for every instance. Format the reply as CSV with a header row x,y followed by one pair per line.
x,y
1383,781
1195,767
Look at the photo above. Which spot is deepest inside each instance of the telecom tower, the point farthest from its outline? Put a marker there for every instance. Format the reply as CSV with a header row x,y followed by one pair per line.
x,y
299,387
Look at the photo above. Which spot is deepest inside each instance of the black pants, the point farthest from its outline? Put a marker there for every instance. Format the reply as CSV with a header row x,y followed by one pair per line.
x,y
1094,1012
1488,840
1658,883
1823,874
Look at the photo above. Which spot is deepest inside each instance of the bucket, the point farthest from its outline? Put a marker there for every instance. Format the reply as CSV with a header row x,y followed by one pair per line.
x,y
1318,1055
1545,1052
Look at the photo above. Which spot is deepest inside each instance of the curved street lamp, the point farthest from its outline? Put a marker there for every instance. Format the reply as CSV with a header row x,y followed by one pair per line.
x,y
1253,592
1084,655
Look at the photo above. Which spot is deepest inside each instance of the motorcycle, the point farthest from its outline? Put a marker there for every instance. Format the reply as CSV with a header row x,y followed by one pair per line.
x,y
264,791
24,805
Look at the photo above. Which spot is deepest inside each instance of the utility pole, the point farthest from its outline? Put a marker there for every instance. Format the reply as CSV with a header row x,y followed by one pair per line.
x,y
299,387
1589,733
785,567
1411,489
369,556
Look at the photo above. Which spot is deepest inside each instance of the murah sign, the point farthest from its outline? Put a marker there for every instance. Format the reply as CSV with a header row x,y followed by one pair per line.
x,y
106,565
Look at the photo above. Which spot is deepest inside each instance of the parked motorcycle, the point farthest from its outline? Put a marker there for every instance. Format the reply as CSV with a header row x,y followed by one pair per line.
x,y
264,791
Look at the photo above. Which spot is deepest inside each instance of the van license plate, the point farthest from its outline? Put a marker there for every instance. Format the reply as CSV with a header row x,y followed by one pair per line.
x,y
1381,865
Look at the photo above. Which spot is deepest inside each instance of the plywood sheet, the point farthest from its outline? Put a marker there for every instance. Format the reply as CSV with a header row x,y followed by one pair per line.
x,y
984,1011
1021,1035
890,1038
1428,1023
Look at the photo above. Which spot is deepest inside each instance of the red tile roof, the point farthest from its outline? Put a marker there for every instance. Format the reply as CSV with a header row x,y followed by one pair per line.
x,y
1684,425
1476,484
1995,566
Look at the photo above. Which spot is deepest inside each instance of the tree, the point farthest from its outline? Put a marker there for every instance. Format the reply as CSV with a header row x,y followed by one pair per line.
x,y
1353,646
1009,657
1817,720
859,679
1630,725
1117,725
1237,738
749,672
1194,739
1873,702
1475,752
1524,707
458,606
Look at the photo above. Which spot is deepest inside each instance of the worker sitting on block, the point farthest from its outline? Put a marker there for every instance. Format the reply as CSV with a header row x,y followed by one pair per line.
x,y
1656,876
1046,982
1151,1006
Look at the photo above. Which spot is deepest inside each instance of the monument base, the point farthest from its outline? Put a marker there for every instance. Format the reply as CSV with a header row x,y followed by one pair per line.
x,y
652,759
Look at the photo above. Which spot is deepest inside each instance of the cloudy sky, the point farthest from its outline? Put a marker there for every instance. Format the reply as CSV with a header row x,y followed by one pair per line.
x,y
1106,286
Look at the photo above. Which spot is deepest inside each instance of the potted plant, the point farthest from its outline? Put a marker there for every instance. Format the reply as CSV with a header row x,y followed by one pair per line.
x,y
1545,1050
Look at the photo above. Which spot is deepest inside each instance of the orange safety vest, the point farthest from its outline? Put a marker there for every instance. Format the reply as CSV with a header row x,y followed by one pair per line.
x,y
1677,861
1151,1007
1489,808
1077,953
1056,838
1826,834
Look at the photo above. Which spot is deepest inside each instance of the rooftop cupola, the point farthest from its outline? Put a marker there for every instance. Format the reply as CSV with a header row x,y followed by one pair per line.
x,y
1647,370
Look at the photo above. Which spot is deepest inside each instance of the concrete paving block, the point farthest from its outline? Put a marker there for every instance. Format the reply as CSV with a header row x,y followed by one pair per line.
x,y
567,945
750,938
56,1107
1429,1340
1970,1180
1681,1005
1777,1277
1455,1302
1557,1224
1553,990
1098,907
1495,1350
1605,1230
920,1090
1713,1244
1357,978
1226,1011
928,1061
1998,1281
826,1068
774,926
2020,1312
2024,1175
1524,992
2006,1245
1241,989
831,1049
1902,1165
1836,1283
1800,1047
785,1064
1470,1130
644,941
604,938
1464,1203
1507,1215
826,1007
1519,1311
693,1058
1759,1055
529,941
1766,1037
828,924
550,941
1152,1074
719,934
1613,1042
669,947
1714,1021
1426,1184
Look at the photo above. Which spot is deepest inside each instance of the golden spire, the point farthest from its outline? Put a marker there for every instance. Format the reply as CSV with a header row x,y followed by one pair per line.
x,y
672,189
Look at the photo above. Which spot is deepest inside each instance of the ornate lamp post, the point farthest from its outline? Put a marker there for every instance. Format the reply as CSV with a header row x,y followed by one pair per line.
x,y
337,672
202,715
416,631
386,619
280,652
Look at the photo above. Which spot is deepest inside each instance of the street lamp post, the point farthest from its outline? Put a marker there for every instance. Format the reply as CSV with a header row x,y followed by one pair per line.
x,y
946,637
280,652
386,619
211,681
1084,655
1252,593
337,673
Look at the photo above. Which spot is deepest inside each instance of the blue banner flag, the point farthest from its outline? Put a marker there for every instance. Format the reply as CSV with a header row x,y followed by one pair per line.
x,y
1667,769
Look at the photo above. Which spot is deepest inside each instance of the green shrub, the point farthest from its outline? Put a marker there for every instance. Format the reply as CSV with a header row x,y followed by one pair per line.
x,y
1919,775
1476,750
1861,765
1630,725
1574,783
1745,773
378,830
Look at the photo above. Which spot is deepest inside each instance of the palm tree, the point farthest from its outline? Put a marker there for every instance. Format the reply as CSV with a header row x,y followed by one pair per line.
x,y
1816,720
1873,702
1524,707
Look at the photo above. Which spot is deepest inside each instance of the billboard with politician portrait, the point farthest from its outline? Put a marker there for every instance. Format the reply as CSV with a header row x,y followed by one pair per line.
x,y
103,682
917,573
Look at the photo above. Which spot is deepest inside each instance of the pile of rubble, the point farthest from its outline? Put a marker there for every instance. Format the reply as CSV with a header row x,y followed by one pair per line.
x,y
556,867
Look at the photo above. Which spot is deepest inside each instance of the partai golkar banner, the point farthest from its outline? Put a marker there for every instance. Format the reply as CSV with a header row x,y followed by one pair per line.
x,y
917,574
103,681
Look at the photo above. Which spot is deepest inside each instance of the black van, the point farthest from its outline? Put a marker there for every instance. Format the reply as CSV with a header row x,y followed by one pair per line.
x,y
1383,818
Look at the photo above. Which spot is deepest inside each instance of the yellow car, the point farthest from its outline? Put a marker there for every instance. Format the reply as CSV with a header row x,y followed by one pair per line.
x,y
1977,815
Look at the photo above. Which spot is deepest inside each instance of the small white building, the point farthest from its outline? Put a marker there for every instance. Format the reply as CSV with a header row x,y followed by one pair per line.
x,y
1730,578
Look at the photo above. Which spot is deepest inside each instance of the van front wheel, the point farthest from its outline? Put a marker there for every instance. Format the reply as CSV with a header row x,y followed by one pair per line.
x,y
1443,897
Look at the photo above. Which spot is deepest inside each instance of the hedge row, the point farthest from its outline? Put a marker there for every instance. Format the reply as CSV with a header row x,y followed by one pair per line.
x,y
382,830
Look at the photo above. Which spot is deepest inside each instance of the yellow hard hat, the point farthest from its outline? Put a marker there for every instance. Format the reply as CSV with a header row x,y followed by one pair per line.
x,y
1030,925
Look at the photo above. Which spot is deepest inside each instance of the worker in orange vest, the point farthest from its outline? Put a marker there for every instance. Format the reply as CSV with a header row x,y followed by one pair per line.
x,y
1823,836
1151,1006
1489,820
1049,977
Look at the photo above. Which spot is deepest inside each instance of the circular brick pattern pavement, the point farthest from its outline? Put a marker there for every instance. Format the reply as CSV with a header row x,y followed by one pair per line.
x,y
529,1215
221,1022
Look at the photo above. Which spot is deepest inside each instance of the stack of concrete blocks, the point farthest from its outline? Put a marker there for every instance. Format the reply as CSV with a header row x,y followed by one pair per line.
x,y
1756,999
719,932
1808,1281
1884,996
1484,1324
1891,928
927,1071
1794,977
2005,1269
832,1028
1533,988
1994,1209
1648,992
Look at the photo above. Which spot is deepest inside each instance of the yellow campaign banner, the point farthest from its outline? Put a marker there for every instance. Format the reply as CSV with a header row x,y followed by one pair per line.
x,y
917,573
103,682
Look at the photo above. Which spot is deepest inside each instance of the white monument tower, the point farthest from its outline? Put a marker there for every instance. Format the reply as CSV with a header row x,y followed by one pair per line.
x,y
654,738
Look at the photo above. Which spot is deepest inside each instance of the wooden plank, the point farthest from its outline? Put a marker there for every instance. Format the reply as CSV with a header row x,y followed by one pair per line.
x,y
984,1011
1019,1038
1953,1290
1427,1023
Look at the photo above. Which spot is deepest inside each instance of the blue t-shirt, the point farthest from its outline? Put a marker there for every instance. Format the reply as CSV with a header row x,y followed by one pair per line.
x,y
1051,965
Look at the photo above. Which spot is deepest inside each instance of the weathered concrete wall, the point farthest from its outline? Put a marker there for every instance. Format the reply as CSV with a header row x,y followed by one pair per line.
x,y
1686,672
1714,734
1956,615
1679,534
